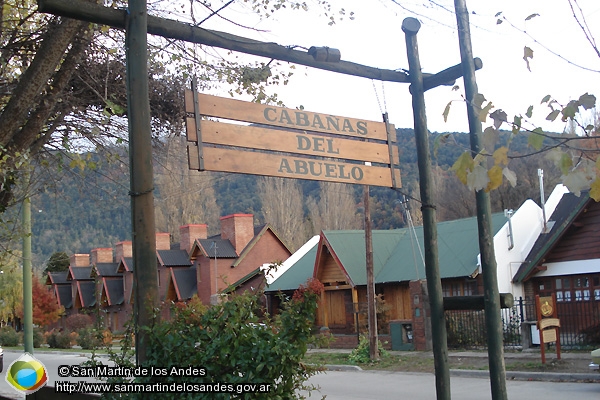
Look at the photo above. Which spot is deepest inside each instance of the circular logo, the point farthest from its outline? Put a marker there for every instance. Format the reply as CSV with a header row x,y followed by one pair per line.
x,y
26,374
546,309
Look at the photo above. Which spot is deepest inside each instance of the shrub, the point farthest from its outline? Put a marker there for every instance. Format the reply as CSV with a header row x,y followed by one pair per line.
x,y
231,344
88,338
361,354
38,338
76,322
59,340
9,337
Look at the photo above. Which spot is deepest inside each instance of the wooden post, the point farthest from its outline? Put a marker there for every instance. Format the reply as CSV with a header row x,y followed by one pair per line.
x,y
145,283
410,27
493,317
371,306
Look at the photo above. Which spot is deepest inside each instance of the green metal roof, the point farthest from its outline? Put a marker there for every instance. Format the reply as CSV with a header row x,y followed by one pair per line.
x,y
395,253
297,274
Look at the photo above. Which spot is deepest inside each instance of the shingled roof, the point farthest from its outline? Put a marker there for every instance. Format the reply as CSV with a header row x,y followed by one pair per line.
x,y
64,295
79,273
224,248
107,269
183,283
86,293
113,290
174,258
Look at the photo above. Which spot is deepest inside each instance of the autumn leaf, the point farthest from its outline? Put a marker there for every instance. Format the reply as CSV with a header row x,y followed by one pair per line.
x,y
532,16
439,141
516,124
485,111
536,139
495,178
552,116
576,181
595,189
463,166
565,163
501,156
447,111
527,55
546,99
529,112
510,176
587,101
490,138
499,117
478,178
570,110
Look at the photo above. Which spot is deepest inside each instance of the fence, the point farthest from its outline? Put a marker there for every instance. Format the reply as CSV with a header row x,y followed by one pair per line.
x,y
579,319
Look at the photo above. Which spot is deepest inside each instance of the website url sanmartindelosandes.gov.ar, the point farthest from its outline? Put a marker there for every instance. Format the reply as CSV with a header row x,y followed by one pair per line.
x,y
181,387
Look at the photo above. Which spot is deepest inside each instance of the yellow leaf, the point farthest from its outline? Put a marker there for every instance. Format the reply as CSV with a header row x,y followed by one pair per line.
x,y
463,166
495,175
501,156
595,189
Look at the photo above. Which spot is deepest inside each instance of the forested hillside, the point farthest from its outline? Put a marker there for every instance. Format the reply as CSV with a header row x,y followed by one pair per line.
x,y
78,210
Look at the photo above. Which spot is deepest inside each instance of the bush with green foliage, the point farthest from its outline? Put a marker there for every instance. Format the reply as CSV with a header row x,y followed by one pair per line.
x,y
59,340
235,347
89,338
9,337
38,338
361,354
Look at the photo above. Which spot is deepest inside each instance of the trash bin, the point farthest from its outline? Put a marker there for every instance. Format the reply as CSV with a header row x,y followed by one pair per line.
x,y
402,335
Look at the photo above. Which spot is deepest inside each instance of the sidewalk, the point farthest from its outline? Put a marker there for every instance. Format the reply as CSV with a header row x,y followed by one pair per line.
x,y
532,356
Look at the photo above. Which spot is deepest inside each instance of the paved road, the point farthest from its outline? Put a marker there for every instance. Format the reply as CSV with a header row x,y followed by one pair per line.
x,y
364,385
375,385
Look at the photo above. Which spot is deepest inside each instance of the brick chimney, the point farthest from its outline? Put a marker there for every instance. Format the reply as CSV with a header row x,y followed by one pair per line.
x,y
163,241
239,229
189,233
80,260
123,249
102,255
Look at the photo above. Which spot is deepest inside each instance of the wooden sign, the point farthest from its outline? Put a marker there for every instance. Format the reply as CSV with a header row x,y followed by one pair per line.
x,y
289,143
547,323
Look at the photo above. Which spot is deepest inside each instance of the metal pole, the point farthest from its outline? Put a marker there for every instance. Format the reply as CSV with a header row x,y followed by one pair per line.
x,y
493,316
372,308
27,284
145,283
410,27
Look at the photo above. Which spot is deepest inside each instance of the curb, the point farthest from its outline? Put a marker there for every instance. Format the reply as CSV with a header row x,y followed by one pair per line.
x,y
330,367
531,376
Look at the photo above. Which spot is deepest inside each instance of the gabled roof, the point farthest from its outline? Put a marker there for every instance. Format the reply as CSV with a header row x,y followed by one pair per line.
x,y
396,256
57,278
298,271
112,290
79,273
64,294
107,269
173,258
231,288
565,213
85,292
126,264
184,283
224,248
259,232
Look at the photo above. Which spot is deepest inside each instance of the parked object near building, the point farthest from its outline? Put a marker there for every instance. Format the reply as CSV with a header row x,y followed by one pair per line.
x,y
594,365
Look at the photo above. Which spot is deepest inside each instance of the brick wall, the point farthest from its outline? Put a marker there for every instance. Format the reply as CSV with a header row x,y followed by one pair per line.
x,y
238,229
420,315
123,249
163,241
189,233
102,255
80,260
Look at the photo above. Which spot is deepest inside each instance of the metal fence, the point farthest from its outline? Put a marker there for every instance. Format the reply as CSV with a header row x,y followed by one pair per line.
x,y
579,319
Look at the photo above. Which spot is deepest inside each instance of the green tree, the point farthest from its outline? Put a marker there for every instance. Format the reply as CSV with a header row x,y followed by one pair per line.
x,y
59,261
11,286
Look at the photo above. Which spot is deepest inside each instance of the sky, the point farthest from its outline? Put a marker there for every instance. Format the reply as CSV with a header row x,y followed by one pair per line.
x,y
374,38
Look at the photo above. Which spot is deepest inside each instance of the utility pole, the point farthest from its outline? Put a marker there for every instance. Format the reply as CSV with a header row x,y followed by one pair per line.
x,y
410,27
493,317
145,283
27,284
371,306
